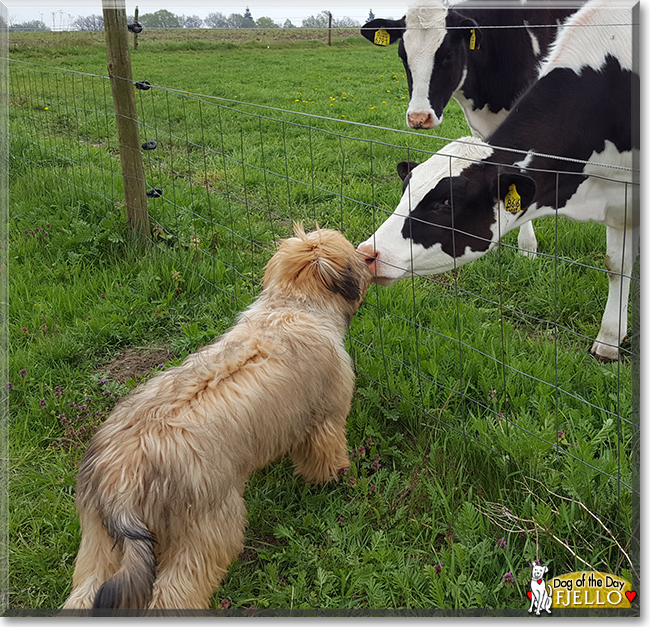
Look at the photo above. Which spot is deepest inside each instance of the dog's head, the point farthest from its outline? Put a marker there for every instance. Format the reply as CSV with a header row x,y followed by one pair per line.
x,y
319,266
539,571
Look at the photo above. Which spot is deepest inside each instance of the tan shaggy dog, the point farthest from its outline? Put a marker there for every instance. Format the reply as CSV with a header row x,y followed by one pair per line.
x,y
160,489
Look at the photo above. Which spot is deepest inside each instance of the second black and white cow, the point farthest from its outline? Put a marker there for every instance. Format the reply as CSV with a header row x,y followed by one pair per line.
x,y
584,108
483,57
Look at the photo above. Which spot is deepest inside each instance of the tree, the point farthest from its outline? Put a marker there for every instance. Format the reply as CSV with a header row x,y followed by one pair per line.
x,y
216,20
266,22
288,24
237,20
190,21
321,20
371,15
159,19
33,25
89,22
248,15
345,22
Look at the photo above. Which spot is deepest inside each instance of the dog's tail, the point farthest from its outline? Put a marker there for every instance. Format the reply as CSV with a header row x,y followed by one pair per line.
x,y
131,587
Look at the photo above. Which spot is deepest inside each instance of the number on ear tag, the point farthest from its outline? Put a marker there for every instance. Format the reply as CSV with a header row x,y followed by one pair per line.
x,y
513,200
472,40
382,38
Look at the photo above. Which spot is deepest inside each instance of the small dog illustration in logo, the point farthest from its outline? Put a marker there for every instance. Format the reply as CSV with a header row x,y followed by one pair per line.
x,y
541,595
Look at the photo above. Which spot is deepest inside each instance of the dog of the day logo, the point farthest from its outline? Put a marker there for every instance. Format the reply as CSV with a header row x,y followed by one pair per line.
x,y
583,590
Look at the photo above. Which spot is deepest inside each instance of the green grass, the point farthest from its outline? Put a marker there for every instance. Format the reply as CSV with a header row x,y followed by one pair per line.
x,y
459,438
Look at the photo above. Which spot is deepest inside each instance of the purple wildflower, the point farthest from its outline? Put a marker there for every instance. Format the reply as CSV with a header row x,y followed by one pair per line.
x,y
362,450
501,543
23,372
353,481
10,385
508,578
376,465
438,567
42,402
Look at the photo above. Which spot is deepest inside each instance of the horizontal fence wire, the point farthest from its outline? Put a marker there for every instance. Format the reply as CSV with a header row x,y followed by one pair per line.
x,y
227,181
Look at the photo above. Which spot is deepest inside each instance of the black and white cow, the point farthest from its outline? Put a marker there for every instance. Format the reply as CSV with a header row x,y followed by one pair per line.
x,y
452,53
480,56
457,204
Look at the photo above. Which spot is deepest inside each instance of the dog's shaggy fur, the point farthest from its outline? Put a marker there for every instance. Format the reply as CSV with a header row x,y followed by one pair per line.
x,y
160,489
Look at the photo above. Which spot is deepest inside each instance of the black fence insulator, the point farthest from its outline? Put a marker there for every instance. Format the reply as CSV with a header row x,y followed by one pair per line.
x,y
150,145
156,192
143,85
135,28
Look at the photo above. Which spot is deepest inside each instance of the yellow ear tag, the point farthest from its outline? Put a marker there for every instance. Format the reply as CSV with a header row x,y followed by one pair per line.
x,y
382,38
472,40
513,200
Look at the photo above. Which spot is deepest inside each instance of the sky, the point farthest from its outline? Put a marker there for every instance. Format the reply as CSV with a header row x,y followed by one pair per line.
x,y
279,10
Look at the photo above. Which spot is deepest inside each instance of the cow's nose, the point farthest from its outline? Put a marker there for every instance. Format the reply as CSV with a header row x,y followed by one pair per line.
x,y
421,120
370,256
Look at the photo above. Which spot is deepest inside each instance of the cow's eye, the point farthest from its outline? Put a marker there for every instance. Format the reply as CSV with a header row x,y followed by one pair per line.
x,y
447,58
445,205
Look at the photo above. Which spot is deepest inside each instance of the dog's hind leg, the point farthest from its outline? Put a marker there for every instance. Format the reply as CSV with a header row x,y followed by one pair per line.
x,y
96,562
200,550
322,454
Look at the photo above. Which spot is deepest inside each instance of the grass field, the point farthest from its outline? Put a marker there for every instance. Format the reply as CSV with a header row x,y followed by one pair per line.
x,y
464,469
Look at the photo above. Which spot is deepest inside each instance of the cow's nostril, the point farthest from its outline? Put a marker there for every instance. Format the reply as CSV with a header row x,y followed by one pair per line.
x,y
370,256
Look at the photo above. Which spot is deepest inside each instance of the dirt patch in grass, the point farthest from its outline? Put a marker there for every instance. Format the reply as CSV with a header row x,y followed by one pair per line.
x,y
250,554
134,363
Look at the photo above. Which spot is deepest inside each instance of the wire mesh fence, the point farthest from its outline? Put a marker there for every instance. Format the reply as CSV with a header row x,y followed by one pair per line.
x,y
495,352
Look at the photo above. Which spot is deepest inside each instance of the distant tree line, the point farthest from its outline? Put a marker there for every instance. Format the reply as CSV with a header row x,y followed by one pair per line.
x,y
167,19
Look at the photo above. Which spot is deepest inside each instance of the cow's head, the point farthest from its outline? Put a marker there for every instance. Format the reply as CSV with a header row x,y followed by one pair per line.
x,y
452,211
434,42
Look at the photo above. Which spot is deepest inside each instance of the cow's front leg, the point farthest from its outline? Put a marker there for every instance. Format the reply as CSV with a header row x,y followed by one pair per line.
x,y
618,262
527,241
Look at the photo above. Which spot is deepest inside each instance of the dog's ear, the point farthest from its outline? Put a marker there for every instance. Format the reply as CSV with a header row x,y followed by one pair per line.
x,y
345,282
545,569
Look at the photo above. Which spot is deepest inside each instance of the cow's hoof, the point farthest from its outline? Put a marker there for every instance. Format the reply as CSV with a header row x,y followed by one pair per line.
x,y
603,359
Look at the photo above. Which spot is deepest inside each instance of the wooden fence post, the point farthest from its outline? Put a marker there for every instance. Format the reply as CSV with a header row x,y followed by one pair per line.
x,y
119,70
329,31
135,35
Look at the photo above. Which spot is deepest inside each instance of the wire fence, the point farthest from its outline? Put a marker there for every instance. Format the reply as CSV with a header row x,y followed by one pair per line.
x,y
494,352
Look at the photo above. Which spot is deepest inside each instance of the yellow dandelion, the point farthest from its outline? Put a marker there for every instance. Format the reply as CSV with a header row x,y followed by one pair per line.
x,y
46,108
342,116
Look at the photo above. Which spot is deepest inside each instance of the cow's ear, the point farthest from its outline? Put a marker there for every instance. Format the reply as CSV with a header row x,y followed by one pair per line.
x,y
384,32
468,28
517,191
404,168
